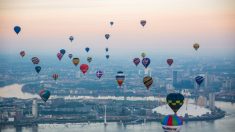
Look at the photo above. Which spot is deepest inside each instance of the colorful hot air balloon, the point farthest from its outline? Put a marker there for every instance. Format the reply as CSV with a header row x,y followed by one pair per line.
x,y
170,61
76,61
136,61
143,55
22,53
111,23
146,62
107,36
59,56
99,74
89,59
35,60
45,95
120,77
196,46
17,29
175,101
87,49
70,56
107,56
71,38
106,49
172,123
199,80
143,22
84,68
55,76
62,51
38,69
148,81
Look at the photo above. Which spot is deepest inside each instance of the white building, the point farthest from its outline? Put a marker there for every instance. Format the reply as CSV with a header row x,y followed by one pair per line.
x,y
35,108
212,101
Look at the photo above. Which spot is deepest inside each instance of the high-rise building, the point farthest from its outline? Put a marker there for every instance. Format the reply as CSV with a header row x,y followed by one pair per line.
x,y
212,101
35,108
174,76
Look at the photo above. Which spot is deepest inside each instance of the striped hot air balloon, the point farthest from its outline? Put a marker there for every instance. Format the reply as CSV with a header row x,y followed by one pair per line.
x,y
120,77
45,95
148,81
59,56
175,101
35,60
171,123
76,61
55,76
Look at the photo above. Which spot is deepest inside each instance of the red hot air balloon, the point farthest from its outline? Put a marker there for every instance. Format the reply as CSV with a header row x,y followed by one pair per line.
x,y
55,76
84,68
59,56
22,53
170,61
136,61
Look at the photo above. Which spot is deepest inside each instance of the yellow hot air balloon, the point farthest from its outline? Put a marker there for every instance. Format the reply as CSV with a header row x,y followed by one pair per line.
x,y
196,46
76,61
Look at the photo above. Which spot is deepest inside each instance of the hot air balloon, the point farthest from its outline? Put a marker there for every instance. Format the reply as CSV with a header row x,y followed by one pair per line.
x,y
107,56
107,36
136,61
38,69
70,56
111,23
146,62
84,68
99,74
175,101
120,77
106,49
87,49
45,95
35,60
196,46
170,61
143,22
22,53
76,61
62,51
71,38
199,80
89,59
17,29
148,81
59,56
55,76
172,123
143,54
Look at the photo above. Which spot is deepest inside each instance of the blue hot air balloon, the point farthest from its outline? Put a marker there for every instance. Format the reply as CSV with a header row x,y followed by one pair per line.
x,y
38,69
107,56
62,51
45,95
17,29
87,49
71,38
146,62
199,80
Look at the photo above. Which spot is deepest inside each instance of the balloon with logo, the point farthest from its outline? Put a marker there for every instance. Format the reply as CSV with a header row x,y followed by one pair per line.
x,y
71,38
62,51
99,74
70,56
22,53
59,56
136,61
84,68
38,69
120,77
146,62
76,61
89,59
143,22
172,123
35,60
45,95
175,101
87,49
55,76
199,80
196,46
148,81
17,29
170,61
107,36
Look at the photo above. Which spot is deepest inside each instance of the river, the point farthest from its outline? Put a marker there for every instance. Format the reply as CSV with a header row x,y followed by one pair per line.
x,y
226,124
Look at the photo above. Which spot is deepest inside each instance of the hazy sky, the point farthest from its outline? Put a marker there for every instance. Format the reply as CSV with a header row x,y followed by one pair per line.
x,y
172,26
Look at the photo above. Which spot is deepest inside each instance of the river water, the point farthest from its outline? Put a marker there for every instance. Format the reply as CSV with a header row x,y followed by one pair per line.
x,y
226,124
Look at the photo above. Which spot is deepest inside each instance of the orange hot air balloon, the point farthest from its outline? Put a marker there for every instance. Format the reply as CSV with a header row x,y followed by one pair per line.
x,y
76,61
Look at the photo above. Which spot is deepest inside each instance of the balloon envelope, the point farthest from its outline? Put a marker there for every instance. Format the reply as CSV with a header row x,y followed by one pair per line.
x,y
107,56
143,22
84,68
71,38
89,59
136,61
38,69
196,46
146,62
148,81
45,95
17,29
111,23
35,60
172,123
55,76
199,80
143,54
76,61
120,77
170,61
22,53
107,36
59,56
62,51
106,49
175,101
87,49
99,74
70,56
